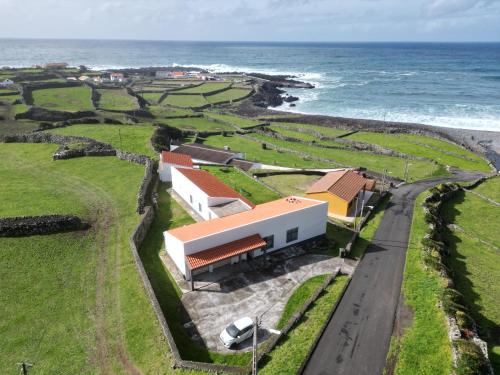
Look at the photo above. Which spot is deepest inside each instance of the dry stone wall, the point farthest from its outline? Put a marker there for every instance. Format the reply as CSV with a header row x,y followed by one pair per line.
x,y
38,225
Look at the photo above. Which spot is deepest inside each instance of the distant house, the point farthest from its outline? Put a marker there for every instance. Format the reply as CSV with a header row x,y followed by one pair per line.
x,y
162,74
84,78
56,65
202,154
177,74
6,82
169,160
72,79
208,196
342,190
116,77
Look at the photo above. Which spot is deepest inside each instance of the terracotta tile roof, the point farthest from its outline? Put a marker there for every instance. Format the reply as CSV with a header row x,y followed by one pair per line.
x,y
202,152
231,249
260,212
211,185
176,159
344,184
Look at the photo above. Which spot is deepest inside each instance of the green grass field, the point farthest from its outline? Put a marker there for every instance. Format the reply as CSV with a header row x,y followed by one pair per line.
x,y
290,184
205,88
475,260
10,99
254,152
69,99
418,169
228,95
323,130
291,351
151,97
454,155
198,124
73,302
185,101
244,184
424,347
306,137
131,138
160,111
118,100
241,122
490,189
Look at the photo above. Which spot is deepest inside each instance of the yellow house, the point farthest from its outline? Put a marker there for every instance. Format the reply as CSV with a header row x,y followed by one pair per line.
x,y
341,190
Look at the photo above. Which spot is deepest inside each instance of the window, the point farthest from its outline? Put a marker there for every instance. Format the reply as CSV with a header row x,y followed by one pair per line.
x,y
191,199
292,234
199,207
269,242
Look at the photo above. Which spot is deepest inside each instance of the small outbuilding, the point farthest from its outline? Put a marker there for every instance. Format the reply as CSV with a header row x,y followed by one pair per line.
x,y
169,160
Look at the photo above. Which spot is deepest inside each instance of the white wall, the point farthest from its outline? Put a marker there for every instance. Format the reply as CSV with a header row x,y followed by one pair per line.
x,y
165,170
186,189
311,222
175,250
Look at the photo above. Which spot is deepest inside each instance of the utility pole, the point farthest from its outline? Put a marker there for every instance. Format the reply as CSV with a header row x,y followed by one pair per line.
x,y
356,211
254,346
406,171
24,367
362,209
383,181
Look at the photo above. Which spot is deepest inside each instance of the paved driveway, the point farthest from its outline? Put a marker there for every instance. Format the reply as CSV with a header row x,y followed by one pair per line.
x,y
252,292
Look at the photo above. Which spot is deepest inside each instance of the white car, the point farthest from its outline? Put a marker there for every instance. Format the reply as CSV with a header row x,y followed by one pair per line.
x,y
237,332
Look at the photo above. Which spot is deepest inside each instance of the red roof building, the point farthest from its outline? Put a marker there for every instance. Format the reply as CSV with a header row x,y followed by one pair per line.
x,y
168,160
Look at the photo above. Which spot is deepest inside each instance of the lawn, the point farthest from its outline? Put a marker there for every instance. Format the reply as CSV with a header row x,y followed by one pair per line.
x,y
395,166
198,124
206,88
117,100
453,155
476,265
424,347
254,152
151,97
228,95
323,130
238,121
74,301
490,189
161,111
243,184
292,349
186,101
131,138
10,99
290,184
69,99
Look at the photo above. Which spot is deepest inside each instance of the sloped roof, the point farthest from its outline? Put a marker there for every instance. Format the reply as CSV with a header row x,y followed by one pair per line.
x,y
211,185
344,184
202,152
176,159
228,250
260,212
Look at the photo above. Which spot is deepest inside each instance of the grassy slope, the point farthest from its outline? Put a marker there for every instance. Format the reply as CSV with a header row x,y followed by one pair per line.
x,y
55,323
490,189
118,100
231,94
151,97
70,99
288,355
236,120
395,166
424,348
253,151
185,100
197,123
205,88
323,130
476,265
291,184
459,159
134,138
244,184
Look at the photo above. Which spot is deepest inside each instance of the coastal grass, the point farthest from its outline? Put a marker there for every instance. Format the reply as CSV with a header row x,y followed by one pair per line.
x,y
424,347
228,95
206,88
238,121
490,189
10,99
151,97
165,112
131,138
290,184
117,100
299,297
68,99
323,130
198,124
170,215
395,166
74,301
291,351
452,155
244,184
306,137
186,101
254,152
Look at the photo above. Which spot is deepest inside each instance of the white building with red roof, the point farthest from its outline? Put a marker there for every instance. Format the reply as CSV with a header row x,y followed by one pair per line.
x,y
169,160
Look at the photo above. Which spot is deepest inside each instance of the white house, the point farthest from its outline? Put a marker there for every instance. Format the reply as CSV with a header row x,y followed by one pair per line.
x,y
6,82
169,160
206,195
268,227
116,77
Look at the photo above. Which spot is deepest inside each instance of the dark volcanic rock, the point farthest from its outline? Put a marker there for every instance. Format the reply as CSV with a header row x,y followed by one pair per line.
x,y
37,225
268,95
290,98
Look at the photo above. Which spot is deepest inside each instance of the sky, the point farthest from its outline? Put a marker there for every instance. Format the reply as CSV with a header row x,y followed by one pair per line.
x,y
253,20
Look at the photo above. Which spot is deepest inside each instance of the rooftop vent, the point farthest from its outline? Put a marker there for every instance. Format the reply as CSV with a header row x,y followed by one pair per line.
x,y
292,200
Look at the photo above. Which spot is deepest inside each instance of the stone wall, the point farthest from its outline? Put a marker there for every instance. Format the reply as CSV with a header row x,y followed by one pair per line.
x,y
42,114
38,225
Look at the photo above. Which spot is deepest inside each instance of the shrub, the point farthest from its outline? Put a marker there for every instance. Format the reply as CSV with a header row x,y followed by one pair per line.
x,y
471,360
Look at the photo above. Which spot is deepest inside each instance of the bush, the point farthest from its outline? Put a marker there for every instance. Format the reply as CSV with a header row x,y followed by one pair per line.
x,y
471,360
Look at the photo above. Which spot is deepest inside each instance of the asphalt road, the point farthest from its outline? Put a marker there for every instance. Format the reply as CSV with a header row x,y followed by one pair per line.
x,y
356,339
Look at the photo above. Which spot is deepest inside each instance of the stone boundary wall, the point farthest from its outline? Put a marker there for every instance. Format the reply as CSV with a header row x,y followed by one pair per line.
x,y
38,225
42,114
323,328
28,89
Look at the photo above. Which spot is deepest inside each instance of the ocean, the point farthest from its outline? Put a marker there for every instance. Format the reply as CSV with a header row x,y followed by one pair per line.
x,y
443,84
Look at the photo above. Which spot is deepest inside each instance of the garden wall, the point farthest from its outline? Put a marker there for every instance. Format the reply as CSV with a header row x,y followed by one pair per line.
x,y
38,225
